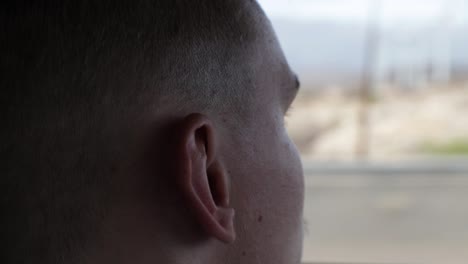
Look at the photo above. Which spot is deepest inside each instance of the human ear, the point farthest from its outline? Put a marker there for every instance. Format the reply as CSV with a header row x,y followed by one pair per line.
x,y
202,179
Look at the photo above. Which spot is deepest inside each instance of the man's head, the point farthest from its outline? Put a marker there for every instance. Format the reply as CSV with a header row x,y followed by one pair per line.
x,y
147,131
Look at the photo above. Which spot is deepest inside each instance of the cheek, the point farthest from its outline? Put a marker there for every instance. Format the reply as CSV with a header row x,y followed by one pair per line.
x,y
289,180
269,190
274,171
269,170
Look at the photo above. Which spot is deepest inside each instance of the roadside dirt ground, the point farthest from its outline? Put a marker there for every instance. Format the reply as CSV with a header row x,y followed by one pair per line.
x,y
402,123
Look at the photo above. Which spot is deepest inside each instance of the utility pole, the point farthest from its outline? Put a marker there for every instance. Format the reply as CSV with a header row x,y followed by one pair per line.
x,y
366,89
443,42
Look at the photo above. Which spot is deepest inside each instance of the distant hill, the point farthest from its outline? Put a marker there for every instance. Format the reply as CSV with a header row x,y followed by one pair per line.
x,y
326,53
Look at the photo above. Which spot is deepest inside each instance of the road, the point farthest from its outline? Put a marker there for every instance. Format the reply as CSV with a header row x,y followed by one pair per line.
x,y
371,217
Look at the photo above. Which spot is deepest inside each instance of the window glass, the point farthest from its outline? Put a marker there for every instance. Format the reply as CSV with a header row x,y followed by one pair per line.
x,y
381,122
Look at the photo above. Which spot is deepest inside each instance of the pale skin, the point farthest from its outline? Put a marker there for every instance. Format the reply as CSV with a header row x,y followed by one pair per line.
x,y
216,193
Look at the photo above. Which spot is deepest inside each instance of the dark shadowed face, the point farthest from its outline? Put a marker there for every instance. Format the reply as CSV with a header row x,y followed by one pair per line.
x,y
267,185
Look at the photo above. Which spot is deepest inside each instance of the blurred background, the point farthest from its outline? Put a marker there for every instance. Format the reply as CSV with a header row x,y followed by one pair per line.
x,y
381,122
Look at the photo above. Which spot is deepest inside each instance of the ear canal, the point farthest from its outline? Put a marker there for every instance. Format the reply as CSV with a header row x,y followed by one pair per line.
x,y
218,182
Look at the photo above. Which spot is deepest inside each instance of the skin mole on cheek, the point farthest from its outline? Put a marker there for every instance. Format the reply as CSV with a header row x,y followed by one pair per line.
x,y
260,219
243,253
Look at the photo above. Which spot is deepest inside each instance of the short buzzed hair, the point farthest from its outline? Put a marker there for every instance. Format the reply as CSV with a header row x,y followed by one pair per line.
x,y
74,74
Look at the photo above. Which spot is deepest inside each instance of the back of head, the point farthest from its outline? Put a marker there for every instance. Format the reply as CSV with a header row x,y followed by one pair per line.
x,y
79,80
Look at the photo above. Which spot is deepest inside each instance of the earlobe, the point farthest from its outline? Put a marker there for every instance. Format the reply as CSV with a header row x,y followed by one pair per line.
x,y
202,178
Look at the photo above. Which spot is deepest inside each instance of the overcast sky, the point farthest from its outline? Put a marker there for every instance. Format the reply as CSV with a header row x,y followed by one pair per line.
x,y
393,11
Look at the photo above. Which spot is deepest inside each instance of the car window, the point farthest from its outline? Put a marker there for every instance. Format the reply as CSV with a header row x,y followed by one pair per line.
x,y
381,125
